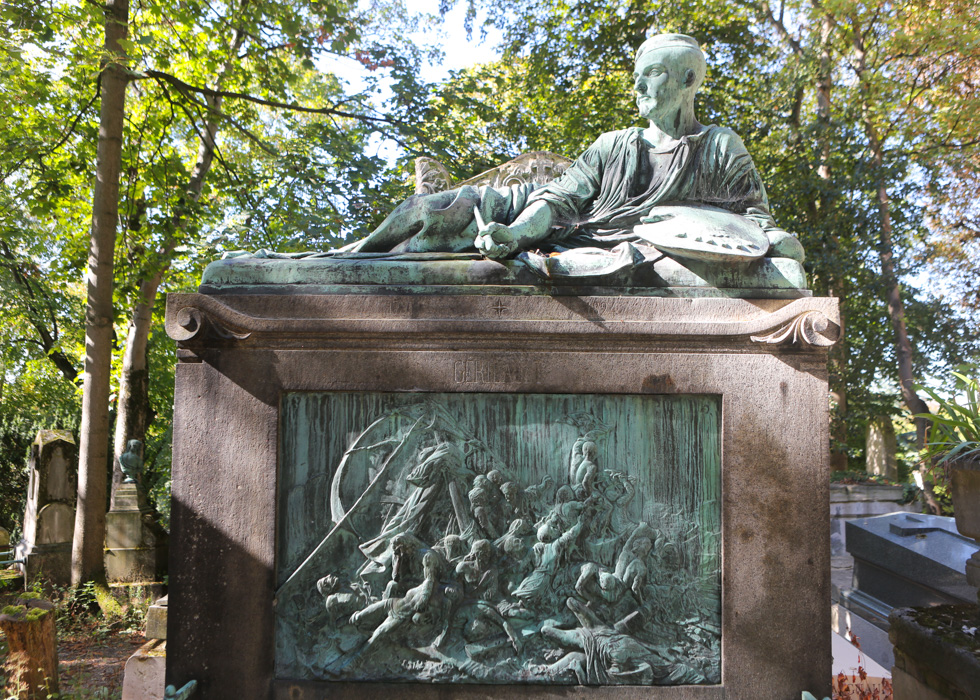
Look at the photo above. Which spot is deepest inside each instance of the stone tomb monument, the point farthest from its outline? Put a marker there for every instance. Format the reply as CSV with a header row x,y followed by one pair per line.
x,y
136,547
49,517
527,436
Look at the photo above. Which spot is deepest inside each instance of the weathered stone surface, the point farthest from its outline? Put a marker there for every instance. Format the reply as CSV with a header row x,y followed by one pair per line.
x,y
135,565
49,517
156,620
126,531
881,448
55,523
136,547
935,653
966,498
143,678
764,359
908,687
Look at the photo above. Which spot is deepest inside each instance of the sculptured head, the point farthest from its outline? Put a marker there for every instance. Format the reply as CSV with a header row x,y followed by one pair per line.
x,y
589,450
546,534
669,70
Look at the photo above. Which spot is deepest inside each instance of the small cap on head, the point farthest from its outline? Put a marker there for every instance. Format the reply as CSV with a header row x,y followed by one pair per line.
x,y
669,41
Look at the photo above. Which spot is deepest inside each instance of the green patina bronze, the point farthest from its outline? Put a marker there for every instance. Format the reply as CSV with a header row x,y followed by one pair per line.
x,y
131,462
499,538
467,274
675,188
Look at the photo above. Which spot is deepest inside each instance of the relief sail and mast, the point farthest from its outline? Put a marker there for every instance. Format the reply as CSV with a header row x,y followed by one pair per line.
x,y
499,538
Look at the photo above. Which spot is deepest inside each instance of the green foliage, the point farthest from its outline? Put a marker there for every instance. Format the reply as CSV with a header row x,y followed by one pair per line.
x,y
954,434
37,398
290,169
295,179
565,78
92,610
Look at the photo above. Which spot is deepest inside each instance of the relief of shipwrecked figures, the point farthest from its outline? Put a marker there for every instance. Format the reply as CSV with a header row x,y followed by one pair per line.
x,y
552,553
621,592
480,576
485,571
607,655
423,514
424,606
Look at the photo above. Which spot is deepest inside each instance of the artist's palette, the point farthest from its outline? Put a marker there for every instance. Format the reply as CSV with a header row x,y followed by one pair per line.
x,y
704,233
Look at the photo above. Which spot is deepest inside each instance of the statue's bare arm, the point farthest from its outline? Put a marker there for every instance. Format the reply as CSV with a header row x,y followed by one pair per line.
x,y
498,241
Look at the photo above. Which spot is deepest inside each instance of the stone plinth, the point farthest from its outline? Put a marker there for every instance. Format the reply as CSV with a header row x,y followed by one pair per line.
x,y
136,549
935,656
145,670
156,620
49,518
758,364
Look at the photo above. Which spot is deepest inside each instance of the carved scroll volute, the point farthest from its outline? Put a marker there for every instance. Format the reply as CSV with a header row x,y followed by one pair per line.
x,y
811,329
431,176
191,323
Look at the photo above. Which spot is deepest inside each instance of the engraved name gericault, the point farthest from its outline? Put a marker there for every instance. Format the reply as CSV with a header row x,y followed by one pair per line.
x,y
501,538
473,370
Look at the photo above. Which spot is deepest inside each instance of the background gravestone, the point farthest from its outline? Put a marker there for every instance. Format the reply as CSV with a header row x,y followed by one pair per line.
x,y
49,518
881,448
136,546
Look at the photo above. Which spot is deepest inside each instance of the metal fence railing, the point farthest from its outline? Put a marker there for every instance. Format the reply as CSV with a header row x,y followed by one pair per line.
x,y
7,559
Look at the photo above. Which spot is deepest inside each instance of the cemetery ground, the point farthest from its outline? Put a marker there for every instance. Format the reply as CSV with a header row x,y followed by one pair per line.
x,y
93,644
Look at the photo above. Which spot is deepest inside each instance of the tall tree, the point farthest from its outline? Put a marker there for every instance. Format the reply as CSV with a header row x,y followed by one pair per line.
x,y
253,79
89,539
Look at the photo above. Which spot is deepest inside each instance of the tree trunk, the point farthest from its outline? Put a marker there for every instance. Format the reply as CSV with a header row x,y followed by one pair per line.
x,y
89,540
133,410
896,312
893,290
836,284
32,663
903,346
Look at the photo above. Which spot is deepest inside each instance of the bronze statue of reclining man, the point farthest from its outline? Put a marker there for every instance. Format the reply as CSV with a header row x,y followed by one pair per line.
x,y
613,193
